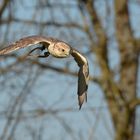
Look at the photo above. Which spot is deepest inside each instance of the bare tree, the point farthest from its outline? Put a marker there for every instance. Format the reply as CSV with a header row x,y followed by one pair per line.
x,y
100,29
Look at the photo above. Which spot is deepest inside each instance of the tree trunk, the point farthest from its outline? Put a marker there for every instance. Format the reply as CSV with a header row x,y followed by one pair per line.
x,y
118,96
128,70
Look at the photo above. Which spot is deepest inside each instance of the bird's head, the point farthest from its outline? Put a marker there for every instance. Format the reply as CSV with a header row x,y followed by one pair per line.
x,y
59,49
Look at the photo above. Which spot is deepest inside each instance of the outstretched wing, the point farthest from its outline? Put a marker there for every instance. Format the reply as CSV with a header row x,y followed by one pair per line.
x,y
26,42
83,76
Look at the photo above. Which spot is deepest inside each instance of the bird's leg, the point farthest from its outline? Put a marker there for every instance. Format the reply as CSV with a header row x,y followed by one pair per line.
x,y
37,48
46,54
42,48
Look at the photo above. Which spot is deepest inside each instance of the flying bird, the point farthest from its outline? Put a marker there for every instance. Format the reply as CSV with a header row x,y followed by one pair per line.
x,y
59,49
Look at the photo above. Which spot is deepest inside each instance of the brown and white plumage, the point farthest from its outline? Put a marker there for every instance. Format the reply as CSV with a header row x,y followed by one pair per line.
x,y
83,76
59,49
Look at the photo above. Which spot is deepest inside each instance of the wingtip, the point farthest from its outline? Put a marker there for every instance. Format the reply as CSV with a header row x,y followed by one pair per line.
x,y
86,97
81,100
80,107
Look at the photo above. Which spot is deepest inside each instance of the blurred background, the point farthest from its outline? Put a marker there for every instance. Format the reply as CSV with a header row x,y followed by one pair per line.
x,y
38,97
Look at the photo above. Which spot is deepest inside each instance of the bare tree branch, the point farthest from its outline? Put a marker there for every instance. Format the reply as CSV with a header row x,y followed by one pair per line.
x,y
3,6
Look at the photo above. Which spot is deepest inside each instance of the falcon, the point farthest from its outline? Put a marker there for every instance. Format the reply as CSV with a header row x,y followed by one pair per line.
x,y
59,49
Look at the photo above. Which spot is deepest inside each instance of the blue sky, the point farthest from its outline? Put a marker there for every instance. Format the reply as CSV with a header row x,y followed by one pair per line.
x,y
53,90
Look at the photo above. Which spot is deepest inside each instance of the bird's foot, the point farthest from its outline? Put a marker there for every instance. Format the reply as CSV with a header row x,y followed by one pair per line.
x,y
46,54
42,48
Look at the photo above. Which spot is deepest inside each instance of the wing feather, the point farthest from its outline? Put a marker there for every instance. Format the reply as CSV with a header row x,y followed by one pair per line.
x,y
26,42
83,76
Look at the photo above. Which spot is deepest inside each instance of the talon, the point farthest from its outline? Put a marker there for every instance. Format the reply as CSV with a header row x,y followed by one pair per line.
x,y
46,54
37,48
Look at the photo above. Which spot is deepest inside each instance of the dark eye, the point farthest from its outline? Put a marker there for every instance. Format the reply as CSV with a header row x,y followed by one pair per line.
x,y
63,50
